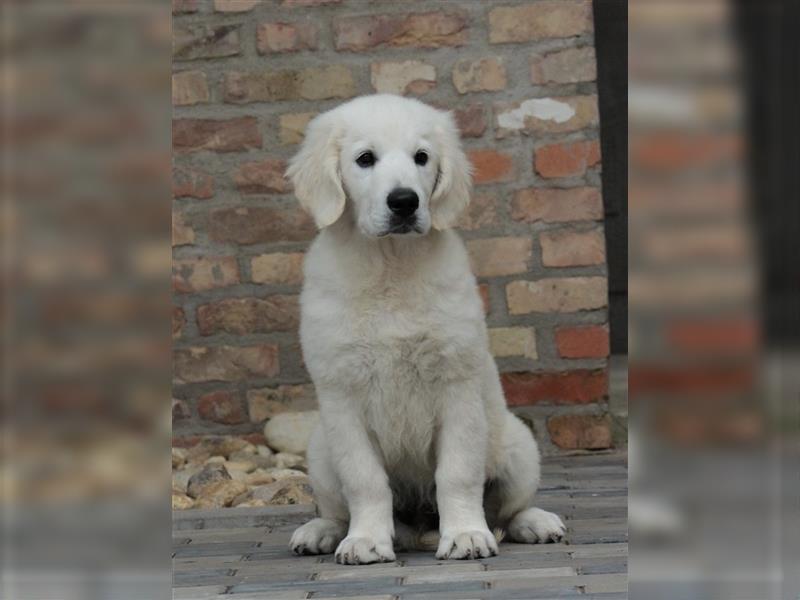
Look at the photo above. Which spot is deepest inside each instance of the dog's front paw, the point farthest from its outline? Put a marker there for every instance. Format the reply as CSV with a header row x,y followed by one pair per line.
x,y
318,536
478,543
363,551
536,526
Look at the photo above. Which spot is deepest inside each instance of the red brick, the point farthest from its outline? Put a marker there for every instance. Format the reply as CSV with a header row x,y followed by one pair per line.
x,y
243,316
278,268
482,75
420,30
557,205
220,135
221,407
202,274
262,177
580,432
481,212
260,225
557,294
582,342
568,387
189,87
205,41
178,321
293,127
471,120
494,257
271,85
573,248
186,441
491,166
403,77
567,159
180,410
184,6
225,363
540,20
714,336
286,37
235,6
483,290
571,65
191,183
182,232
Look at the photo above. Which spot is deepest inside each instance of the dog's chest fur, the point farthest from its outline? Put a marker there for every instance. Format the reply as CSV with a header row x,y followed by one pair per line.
x,y
393,342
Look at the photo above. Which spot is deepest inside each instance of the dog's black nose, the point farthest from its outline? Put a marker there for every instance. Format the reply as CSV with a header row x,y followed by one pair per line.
x,y
403,201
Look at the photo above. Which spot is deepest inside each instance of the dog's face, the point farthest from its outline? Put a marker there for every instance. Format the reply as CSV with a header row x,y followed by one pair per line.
x,y
390,178
393,164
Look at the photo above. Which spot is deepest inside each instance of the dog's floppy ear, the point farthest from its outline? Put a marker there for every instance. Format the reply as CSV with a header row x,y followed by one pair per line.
x,y
314,171
451,193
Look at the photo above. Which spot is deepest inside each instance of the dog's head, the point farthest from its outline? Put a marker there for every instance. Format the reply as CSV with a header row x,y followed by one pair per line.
x,y
394,164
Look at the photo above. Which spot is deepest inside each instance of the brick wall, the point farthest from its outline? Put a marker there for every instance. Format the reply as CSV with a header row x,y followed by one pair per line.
x,y
520,77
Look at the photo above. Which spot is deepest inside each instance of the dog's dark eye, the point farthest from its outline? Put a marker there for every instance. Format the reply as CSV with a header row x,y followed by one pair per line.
x,y
421,158
365,159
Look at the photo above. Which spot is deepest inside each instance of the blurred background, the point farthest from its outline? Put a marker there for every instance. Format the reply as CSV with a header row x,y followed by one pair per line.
x,y
86,300
713,509
87,200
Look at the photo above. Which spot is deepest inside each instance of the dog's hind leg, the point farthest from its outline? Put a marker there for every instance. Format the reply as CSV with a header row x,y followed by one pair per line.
x,y
509,498
323,534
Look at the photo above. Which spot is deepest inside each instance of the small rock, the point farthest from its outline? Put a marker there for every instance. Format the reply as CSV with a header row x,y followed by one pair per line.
x,y
262,462
252,504
207,476
259,477
240,465
279,474
178,457
264,451
197,455
238,475
181,501
291,490
180,479
215,460
225,446
220,494
244,497
242,455
285,460
290,431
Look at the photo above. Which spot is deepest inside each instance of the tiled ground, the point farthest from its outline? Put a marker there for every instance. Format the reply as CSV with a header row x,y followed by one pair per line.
x,y
241,554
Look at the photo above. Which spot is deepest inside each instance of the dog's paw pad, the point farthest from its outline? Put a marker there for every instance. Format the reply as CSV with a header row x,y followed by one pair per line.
x,y
318,536
467,545
363,551
536,526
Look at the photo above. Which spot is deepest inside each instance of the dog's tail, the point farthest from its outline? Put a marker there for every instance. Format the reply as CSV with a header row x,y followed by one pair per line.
x,y
409,539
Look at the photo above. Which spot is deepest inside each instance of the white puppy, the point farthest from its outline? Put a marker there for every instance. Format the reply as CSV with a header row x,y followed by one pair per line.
x,y
414,425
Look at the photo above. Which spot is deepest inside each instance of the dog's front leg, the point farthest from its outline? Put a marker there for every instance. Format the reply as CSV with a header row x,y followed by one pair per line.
x,y
365,484
460,476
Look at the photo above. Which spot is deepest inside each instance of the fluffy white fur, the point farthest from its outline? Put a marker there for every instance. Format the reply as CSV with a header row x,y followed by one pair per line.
x,y
413,419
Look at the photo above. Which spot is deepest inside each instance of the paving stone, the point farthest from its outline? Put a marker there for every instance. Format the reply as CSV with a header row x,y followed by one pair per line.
x,y
448,575
191,579
224,549
242,554
198,592
604,567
